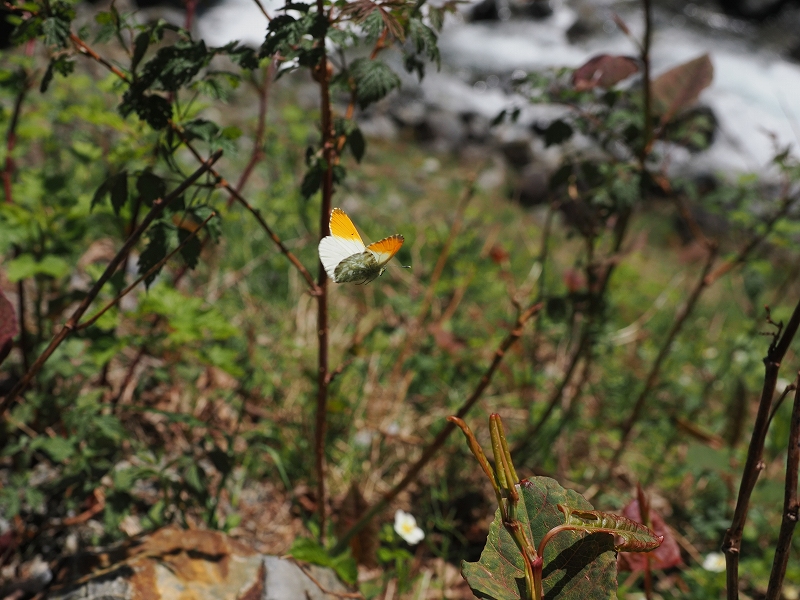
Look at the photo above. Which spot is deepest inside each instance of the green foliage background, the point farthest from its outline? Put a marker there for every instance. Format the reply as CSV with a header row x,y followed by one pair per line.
x,y
200,386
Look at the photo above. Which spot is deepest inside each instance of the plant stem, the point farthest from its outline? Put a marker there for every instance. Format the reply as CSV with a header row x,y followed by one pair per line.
x,y
158,207
791,506
330,156
433,447
11,136
732,543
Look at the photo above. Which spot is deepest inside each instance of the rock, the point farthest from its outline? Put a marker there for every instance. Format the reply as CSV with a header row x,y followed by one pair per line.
x,y
173,564
484,11
535,9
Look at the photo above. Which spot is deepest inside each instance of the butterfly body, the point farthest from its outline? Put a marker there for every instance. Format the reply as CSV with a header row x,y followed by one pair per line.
x,y
345,257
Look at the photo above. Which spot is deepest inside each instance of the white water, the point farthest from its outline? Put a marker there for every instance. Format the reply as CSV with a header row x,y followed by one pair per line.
x,y
754,93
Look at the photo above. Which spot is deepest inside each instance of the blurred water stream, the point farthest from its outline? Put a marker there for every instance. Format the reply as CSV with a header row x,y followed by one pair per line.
x,y
755,94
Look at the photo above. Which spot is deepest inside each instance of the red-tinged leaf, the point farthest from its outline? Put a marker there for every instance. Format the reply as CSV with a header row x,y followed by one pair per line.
x,y
635,536
603,71
680,87
667,555
8,325
576,566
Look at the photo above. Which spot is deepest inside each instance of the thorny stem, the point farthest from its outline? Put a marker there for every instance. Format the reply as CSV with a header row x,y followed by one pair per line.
x,y
158,207
330,156
432,448
753,466
791,506
84,48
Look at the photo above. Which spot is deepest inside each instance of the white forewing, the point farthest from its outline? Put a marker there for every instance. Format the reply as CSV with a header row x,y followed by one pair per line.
x,y
333,250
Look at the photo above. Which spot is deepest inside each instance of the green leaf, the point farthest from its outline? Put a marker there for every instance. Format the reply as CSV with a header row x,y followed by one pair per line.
x,y
57,448
118,187
243,56
61,65
311,552
191,251
357,144
156,250
557,132
312,180
576,566
374,79
636,537
87,151
195,478
25,266
150,187
56,31
140,45
154,110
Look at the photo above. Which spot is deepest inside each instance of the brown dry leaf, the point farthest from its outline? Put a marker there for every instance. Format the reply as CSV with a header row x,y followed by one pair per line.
x,y
364,544
604,71
679,88
667,555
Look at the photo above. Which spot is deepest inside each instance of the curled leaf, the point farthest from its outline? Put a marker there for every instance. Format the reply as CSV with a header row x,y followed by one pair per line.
x,y
635,536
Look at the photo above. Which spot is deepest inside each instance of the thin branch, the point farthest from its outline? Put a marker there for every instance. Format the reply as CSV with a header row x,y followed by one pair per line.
x,y
655,370
11,137
158,207
222,182
258,143
791,506
753,466
154,269
786,205
322,73
430,451
84,48
263,10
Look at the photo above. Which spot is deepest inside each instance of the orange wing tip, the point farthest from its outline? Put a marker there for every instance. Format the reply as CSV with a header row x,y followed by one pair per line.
x,y
386,248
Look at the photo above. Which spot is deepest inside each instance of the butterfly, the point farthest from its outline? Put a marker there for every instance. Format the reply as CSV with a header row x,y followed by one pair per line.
x,y
347,259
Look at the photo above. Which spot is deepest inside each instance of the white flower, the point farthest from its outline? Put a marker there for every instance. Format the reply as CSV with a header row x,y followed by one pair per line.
x,y
714,562
406,527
